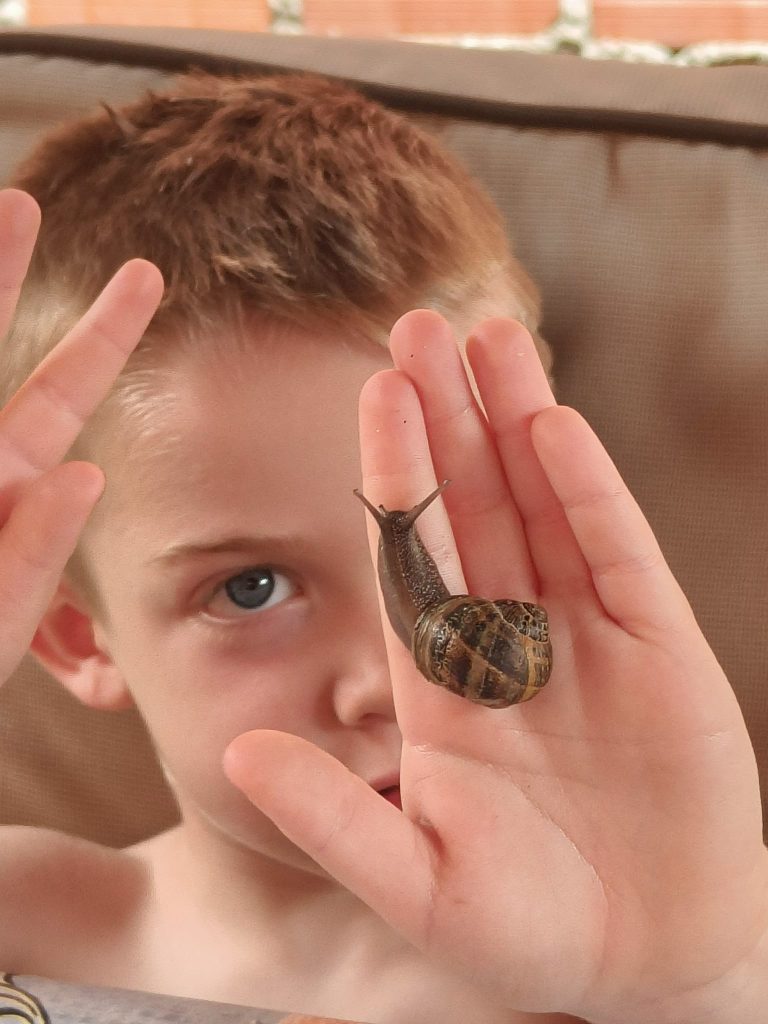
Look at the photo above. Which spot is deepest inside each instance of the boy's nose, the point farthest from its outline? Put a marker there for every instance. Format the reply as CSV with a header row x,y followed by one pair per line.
x,y
362,687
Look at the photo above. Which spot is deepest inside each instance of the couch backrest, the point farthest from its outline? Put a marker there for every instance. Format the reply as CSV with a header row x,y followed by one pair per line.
x,y
636,195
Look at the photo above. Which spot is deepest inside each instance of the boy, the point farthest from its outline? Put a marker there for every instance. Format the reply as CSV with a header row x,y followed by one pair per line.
x,y
544,858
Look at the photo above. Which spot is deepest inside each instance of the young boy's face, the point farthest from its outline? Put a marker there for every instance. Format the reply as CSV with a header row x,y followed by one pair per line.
x,y
232,559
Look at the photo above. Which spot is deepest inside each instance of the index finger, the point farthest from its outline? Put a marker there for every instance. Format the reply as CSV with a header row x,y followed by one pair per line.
x,y
42,420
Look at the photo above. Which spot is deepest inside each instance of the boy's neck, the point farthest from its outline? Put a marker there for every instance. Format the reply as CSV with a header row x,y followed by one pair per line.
x,y
205,871
233,925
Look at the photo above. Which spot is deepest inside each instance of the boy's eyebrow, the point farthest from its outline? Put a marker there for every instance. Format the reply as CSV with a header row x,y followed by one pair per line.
x,y
237,544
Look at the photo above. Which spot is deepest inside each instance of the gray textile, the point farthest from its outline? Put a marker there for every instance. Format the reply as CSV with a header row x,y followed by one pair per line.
x,y
79,1004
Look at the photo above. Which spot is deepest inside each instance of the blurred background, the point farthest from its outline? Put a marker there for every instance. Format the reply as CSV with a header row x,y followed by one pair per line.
x,y
677,31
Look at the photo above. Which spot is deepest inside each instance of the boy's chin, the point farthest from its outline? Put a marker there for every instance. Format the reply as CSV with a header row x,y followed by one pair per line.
x,y
254,835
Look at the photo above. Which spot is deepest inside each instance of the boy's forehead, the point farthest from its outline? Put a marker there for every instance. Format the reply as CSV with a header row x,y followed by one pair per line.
x,y
262,420
292,386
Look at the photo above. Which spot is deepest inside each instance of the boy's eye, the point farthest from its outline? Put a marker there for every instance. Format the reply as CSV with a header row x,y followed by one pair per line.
x,y
254,589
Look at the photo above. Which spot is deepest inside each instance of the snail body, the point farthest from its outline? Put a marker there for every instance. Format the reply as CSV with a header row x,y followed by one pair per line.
x,y
494,653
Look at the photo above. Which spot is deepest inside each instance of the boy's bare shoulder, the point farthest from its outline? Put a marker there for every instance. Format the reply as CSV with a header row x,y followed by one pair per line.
x,y
58,889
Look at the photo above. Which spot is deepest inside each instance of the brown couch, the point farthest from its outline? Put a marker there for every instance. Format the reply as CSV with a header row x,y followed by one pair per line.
x,y
638,198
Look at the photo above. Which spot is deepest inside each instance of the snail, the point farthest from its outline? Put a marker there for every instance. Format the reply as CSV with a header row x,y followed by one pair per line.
x,y
494,653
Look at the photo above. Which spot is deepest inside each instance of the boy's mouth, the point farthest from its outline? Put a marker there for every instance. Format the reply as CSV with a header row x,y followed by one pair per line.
x,y
392,793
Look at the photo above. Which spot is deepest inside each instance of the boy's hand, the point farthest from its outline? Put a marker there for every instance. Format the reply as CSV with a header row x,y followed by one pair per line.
x,y
44,505
597,850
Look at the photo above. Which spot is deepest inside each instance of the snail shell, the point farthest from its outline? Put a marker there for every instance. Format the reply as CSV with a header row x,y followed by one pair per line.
x,y
494,653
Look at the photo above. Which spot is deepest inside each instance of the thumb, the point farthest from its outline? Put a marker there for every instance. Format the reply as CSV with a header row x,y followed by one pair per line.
x,y
335,817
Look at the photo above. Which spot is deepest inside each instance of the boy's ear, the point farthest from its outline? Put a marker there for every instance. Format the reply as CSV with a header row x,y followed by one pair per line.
x,y
66,645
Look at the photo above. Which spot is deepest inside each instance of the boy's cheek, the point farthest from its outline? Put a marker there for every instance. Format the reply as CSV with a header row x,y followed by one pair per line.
x,y
547,359
197,697
206,796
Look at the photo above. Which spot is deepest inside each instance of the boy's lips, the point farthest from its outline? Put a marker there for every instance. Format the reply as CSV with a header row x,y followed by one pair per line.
x,y
389,788
392,793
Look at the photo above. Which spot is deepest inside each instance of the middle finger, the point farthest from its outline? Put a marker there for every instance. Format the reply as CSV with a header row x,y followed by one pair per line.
x,y
485,521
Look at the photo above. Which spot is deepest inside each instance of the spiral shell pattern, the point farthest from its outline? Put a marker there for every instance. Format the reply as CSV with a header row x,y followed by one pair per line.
x,y
494,653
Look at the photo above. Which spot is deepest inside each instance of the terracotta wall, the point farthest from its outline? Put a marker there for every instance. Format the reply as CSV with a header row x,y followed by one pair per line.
x,y
681,22
390,17
250,15
673,22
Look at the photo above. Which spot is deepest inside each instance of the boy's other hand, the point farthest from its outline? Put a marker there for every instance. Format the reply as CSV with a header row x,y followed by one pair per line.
x,y
44,504
597,850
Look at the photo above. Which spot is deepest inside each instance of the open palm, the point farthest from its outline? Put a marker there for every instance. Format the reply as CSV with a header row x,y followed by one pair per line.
x,y
44,504
597,850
